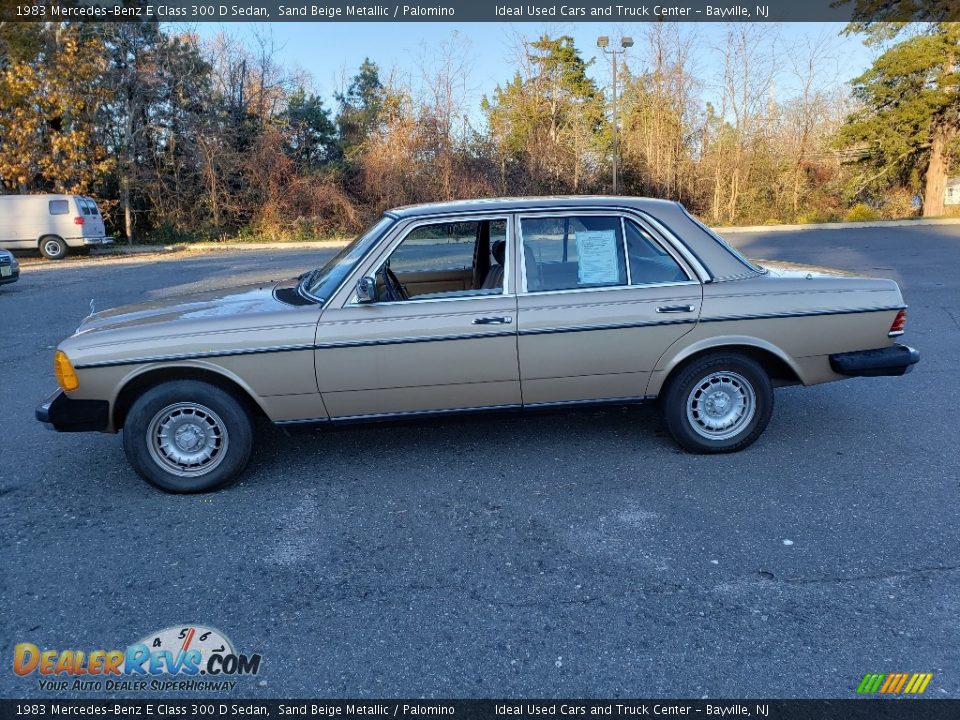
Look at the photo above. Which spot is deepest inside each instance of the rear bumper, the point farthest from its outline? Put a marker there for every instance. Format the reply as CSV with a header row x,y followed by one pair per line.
x,y
894,360
98,241
62,414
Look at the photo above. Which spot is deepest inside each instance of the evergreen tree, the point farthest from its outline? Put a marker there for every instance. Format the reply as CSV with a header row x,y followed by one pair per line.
x,y
312,134
360,107
908,127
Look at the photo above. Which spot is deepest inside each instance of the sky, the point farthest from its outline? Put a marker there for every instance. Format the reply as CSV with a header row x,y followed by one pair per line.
x,y
331,52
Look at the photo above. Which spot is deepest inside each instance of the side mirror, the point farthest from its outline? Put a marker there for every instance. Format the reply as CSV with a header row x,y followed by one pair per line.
x,y
366,290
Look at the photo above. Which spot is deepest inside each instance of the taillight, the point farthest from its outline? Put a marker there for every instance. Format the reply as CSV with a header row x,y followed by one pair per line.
x,y
899,323
78,220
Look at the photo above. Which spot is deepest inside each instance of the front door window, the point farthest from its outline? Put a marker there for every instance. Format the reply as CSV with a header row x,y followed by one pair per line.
x,y
446,259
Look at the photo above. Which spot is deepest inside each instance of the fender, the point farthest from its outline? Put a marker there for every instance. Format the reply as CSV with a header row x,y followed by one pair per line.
x,y
673,356
140,370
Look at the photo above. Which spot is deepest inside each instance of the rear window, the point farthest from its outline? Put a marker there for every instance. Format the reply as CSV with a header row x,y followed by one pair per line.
x,y
86,206
59,207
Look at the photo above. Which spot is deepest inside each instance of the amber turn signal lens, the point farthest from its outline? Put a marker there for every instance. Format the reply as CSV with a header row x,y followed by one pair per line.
x,y
63,369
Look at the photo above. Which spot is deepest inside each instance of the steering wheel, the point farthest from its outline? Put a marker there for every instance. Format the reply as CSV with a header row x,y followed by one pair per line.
x,y
393,287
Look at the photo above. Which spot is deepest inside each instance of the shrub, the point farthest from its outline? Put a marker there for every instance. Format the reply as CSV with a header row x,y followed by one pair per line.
x,y
168,233
900,202
861,212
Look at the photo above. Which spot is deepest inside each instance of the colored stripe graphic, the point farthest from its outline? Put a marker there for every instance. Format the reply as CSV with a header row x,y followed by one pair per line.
x,y
870,683
894,683
921,682
888,682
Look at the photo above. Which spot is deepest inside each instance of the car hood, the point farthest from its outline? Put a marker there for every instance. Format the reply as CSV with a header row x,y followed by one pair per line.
x,y
249,301
785,269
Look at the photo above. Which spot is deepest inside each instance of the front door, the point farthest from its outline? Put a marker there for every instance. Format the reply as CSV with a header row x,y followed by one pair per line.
x,y
602,298
441,334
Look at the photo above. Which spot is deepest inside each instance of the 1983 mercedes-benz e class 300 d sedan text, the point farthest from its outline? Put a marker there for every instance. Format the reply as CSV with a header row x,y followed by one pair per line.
x,y
479,305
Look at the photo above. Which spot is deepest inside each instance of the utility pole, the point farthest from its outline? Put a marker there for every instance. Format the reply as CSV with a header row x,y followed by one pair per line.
x,y
603,43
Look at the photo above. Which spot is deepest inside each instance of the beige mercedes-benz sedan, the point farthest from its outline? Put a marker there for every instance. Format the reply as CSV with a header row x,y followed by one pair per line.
x,y
483,305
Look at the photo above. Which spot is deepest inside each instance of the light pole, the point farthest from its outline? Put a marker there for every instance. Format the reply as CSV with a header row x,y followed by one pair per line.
x,y
603,42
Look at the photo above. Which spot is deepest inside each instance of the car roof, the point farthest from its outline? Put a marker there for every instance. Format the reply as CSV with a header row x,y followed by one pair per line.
x,y
529,203
718,258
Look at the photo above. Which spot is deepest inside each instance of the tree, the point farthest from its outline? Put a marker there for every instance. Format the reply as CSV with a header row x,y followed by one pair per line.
x,y
132,48
48,109
312,135
548,121
909,122
658,131
178,119
360,107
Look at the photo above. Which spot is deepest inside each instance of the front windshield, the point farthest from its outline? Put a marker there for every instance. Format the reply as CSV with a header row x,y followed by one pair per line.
x,y
321,284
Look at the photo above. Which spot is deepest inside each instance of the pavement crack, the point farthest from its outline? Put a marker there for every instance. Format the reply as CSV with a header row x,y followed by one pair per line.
x,y
953,317
767,576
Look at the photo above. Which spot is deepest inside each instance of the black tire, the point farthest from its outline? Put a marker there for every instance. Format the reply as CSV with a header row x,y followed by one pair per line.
x,y
202,416
53,247
728,380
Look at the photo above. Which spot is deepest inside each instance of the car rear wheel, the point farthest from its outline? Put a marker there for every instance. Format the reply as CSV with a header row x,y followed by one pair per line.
x,y
53,247
718,403
188,436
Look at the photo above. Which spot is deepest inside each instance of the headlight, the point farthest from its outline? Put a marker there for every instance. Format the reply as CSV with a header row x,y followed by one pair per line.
x,y
14,263
63,369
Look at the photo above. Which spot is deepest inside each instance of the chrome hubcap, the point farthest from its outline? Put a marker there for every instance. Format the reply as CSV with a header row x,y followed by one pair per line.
x,y
187,439
721,405
52,248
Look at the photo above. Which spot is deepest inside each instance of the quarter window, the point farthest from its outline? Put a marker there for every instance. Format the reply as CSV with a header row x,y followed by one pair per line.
x,y
649,262
568,253
59,207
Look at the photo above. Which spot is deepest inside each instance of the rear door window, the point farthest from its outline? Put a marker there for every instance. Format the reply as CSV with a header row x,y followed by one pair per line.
x,y
573,252
85,206
59,207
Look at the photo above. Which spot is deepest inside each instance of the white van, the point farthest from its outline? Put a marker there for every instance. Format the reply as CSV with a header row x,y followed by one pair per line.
x,y
50,223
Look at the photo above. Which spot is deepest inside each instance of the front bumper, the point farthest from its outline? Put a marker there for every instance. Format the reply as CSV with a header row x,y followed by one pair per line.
x,y
11,278
894,360
62,414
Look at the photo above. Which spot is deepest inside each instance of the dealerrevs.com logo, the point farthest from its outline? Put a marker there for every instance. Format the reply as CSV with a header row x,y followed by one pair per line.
x,y
183,657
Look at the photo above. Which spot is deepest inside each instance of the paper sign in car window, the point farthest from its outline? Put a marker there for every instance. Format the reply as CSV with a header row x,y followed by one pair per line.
x,y
597,252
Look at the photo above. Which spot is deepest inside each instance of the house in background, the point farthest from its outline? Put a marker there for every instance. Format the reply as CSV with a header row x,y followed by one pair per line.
x,y
951,193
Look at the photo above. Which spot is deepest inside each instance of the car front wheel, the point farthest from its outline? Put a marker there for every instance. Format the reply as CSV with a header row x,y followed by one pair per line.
x,y
718,403
188,436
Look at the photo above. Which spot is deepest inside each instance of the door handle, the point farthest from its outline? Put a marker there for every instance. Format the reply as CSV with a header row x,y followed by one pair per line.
x,y
675,308
506,320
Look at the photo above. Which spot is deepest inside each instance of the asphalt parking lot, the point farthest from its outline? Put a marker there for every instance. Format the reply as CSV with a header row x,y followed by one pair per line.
x,y
573,554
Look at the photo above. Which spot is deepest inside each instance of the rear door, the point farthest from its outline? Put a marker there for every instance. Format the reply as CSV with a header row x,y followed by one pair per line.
x,y
93,226
601,297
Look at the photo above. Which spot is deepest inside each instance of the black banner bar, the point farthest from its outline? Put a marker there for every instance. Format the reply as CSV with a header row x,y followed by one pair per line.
x,y
214,709
543,11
